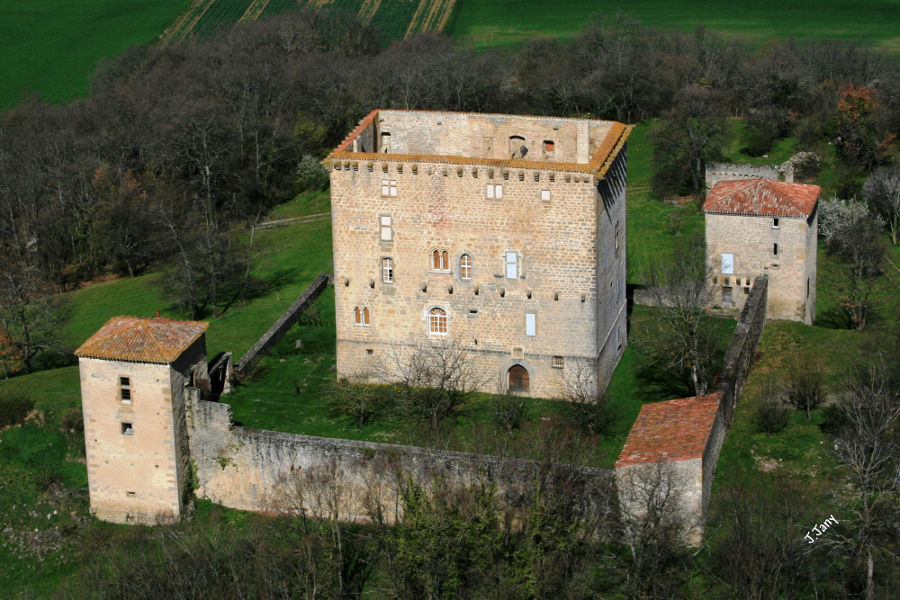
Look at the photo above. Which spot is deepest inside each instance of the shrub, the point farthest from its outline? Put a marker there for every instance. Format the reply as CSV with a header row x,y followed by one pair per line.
x,y
772,415
804,388
73,420
311,175
14,409
359,402
509,412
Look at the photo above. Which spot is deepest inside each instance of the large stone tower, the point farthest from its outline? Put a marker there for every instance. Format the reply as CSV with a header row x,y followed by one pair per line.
x,y
133,377
500,234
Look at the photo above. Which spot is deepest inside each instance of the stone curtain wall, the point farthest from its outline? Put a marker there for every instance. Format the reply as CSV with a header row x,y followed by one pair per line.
x,y
716,172
282,325
252,469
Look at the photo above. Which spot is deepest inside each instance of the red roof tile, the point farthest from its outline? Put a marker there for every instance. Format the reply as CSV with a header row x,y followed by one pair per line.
x,y
670,431
762,197
142,340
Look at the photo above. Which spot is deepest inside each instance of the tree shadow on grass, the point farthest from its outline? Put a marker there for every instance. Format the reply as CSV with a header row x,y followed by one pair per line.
x,y
834,318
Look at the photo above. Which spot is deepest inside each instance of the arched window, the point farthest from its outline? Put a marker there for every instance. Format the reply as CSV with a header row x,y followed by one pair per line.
x,y
437,321
517,379
465,266
361,317
440,260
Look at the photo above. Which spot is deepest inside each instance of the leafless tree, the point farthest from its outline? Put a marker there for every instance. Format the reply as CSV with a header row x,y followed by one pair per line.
x,y
867,447
804,383
684,343
655,527
882,194
859,245
434,379
586,403
29,315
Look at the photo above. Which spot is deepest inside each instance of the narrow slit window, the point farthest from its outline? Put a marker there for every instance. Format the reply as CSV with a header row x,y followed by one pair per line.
x,y
125,390
775,249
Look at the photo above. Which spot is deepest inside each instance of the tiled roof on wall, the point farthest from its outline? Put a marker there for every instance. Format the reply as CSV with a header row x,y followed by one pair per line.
x,y
670,431
762,197
135,339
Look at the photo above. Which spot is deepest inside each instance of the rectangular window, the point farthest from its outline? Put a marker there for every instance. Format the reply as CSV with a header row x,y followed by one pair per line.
x,y
530,324
512,265
545,195
558,362
127,429
728,264
387,229
387,270
775,223
370,352
389,188
495,191
125,390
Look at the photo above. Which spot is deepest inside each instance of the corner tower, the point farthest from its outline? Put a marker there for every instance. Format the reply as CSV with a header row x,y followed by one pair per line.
x,y
759,227
133,377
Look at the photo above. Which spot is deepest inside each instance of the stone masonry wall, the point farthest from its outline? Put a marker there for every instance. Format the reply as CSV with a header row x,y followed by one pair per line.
x,y
259,470
282,325
137,475
716,172
559,244
489,136
751,240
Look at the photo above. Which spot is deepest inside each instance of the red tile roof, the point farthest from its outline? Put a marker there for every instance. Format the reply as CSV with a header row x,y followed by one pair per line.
x,y
670,431
142,340
762,197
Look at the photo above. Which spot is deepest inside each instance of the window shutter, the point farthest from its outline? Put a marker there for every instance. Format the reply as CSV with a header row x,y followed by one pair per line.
x,y
512,267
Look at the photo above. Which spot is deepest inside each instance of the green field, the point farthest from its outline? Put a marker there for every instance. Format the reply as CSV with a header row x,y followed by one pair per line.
x,y
486,23
52,46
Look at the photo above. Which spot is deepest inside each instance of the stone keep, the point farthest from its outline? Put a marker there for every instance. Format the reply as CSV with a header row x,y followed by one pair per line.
x,y
133,377
501,235
759,227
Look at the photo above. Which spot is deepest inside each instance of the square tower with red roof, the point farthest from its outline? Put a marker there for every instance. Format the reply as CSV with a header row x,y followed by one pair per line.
x,y
134,373
761,227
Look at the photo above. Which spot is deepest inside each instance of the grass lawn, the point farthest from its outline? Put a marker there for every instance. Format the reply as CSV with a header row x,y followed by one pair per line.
x,y
52,46
486,23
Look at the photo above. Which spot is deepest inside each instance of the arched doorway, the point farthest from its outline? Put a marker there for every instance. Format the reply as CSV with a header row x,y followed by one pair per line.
x,y
517,378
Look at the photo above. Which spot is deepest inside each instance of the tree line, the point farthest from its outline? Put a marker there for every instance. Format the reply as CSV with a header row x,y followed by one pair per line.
x,y
178,145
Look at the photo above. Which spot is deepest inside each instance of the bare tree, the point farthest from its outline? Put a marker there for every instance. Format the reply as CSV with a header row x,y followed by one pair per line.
x,y
435,379
858,243
651,504
804,384
684,342
588,406
867,447
882,194
29,315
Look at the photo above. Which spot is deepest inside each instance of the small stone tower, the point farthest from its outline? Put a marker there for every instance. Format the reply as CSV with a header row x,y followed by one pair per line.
x,y
759,227
133,377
